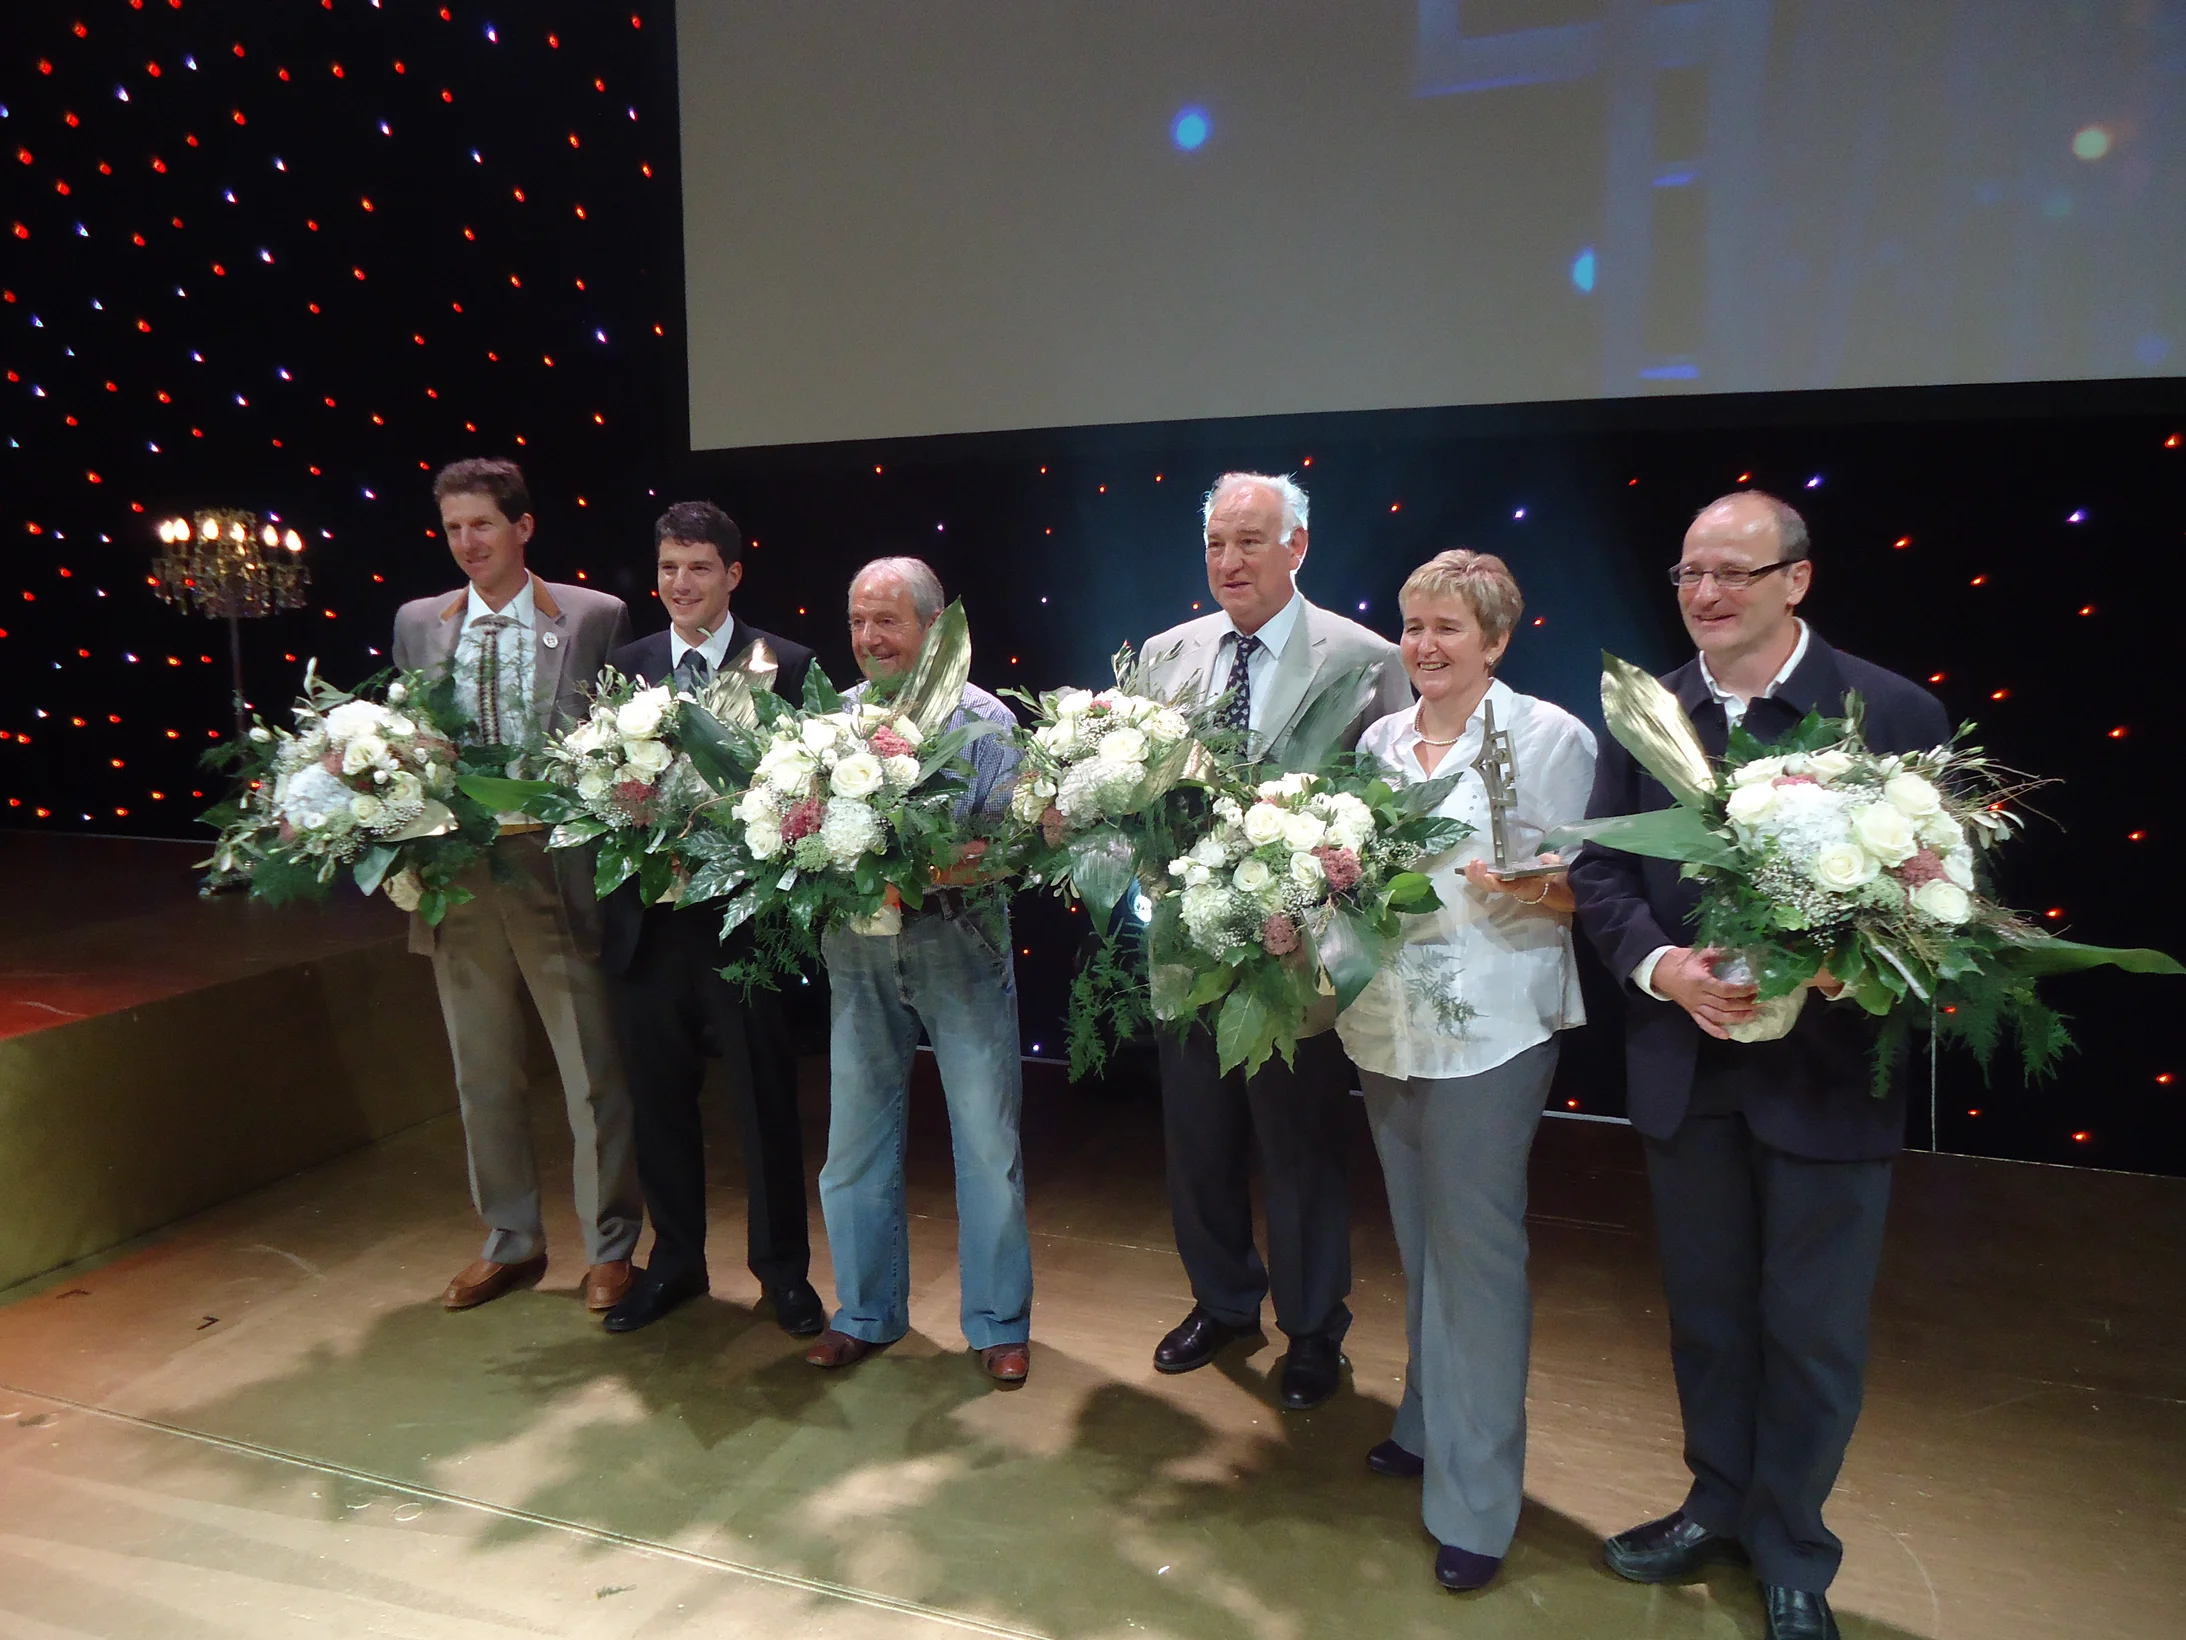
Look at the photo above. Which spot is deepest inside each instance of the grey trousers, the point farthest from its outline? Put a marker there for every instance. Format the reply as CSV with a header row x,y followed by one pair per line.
x,y
1453,1151
513,937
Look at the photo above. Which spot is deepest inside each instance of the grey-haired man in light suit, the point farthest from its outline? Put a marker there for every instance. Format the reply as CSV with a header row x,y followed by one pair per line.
x,y
522,651
1274,652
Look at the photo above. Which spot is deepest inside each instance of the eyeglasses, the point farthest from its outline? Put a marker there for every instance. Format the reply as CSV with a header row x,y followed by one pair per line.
x,y
1727,580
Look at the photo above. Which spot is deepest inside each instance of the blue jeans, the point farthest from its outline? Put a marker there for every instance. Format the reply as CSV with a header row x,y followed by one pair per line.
x,y
950,971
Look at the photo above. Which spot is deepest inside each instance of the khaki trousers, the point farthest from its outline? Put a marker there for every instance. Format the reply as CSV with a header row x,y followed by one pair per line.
x,y
518,935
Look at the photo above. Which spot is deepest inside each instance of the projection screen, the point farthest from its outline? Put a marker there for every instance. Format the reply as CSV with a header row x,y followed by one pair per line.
x,y
937,216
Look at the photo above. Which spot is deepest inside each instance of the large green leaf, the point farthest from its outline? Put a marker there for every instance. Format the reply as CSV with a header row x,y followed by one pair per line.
x,y
1321,727
1427,796
934,688
1677,833
1351,953
1244,1032
820,695
505,796
724,757
372,867
2038,954
1102,866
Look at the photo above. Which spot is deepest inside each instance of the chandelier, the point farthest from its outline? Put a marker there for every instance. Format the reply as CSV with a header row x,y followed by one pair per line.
x,y
224,565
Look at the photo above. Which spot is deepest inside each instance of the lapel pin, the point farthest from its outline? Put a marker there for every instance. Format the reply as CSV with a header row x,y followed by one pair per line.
x,y
549,639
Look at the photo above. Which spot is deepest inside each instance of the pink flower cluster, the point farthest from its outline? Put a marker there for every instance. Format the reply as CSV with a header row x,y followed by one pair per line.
x,y
1279,935
1053,827
803,820
634,798
887,743
1924,867
1340,866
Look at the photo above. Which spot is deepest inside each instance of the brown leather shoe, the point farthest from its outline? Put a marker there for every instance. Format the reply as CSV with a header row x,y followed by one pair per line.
x,y
482,1280
839,1349
604,1284
1007,1364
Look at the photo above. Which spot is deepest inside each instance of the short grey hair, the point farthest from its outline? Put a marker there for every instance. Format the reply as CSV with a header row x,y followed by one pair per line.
x,y
918,579
1296,504
1794,545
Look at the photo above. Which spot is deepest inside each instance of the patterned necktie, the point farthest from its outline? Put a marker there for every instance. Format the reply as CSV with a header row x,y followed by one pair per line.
x,y
1238,713
693,672
490,628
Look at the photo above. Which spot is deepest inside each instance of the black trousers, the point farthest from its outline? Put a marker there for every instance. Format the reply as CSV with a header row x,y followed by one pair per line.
x,y
1211,1124
672,1006
1768,1260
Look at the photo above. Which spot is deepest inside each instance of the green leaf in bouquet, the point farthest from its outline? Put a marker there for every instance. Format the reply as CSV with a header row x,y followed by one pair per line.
x,y
737,913
1351,952
1319,733
1102,864
656,872
1650,724
506,796
617,862
2033,954
933,689
820,695
950,745
1678,833
1407,891
277,879
372,867
1423,798
724,756
1209,985
1244,1031
586,828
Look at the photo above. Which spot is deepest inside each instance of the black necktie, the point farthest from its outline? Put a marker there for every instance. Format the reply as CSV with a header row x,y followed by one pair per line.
x,y
693,671
1238,713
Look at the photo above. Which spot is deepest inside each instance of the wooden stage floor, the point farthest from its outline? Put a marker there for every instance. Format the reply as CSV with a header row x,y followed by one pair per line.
x,y
259,1423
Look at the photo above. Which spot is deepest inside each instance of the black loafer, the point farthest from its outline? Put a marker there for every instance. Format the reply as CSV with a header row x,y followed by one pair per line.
x,y
1794,1614
1311,1371
1394,1461
651,1297
1464,1571
1666,1550
798,1310
1196,1341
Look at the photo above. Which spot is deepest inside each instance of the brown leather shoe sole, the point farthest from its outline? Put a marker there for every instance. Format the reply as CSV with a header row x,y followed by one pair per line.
x,y
1007,1364
838,1349
483,1280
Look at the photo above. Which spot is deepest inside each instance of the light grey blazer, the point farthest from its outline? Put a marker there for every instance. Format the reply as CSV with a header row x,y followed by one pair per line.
x,y
577,628
1324,649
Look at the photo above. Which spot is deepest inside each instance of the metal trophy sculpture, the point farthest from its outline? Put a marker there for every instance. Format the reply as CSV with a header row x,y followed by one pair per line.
x,y
223,565
1497,766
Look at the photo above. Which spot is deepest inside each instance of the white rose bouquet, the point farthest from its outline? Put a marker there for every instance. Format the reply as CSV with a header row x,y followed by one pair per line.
x,y
1822,861
366,783
1290,900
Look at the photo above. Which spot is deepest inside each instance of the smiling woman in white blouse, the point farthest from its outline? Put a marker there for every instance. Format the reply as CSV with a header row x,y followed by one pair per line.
x,y
1455,1042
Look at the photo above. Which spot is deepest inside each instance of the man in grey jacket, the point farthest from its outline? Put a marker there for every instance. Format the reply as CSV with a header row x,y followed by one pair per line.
x,y
521,652
1273,652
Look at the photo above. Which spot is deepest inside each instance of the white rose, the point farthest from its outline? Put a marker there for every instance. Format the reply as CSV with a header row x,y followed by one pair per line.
x,y
1943,834
1352,831
1251,876
640,715
1829,765
1944,901
1884,833
1958,866
764,839
397,693
261,734
902,770
1842,867
818,734
401,727
1179,866
1911,796
1750,805
592,785
1760,771
353,718
649,757
858,775
1304,831
1066,736
1125,745
362,753
1071,703
1263,824
587,738
365,809
1208,851
907,732
755,808
405,788
1167,726
1227,811
790,771
1306,871
1197,876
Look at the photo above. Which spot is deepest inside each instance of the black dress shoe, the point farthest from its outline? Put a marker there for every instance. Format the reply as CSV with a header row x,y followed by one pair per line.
x,y
1794,1614
798,1310
1195,1342
1666,1550
1392,1460
1311,1371
1464,1571
650,1297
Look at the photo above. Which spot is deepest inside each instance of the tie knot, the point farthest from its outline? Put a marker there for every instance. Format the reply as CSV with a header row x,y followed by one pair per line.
x,y
494,623
1248,645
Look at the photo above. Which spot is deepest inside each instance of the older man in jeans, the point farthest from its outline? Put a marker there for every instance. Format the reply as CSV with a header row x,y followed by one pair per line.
x,y
949,971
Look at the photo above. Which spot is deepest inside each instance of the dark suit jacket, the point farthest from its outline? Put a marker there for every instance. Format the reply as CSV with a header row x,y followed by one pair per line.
x,y
622,917
1806,1094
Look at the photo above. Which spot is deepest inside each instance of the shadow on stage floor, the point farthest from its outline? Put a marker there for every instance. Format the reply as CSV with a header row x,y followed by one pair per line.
x,y
259,1423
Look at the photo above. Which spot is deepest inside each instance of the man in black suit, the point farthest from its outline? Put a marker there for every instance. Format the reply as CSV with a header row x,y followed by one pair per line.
x,y
1769,1161
672,1004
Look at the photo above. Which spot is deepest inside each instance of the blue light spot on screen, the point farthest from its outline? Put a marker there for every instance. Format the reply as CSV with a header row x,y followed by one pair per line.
x,y
2151,350
1189,130
1582,271
1677,370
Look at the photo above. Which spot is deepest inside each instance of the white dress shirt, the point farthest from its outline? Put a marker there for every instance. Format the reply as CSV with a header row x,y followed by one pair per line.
x,y
1483,978
518,719
1734,713
1275,636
